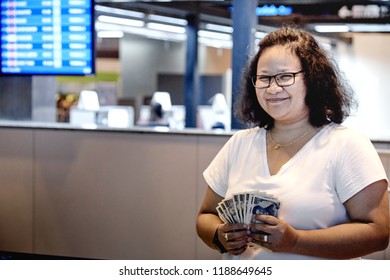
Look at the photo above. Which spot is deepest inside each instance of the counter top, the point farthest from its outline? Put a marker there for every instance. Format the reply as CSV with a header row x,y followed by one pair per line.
x,y
379,138
92,127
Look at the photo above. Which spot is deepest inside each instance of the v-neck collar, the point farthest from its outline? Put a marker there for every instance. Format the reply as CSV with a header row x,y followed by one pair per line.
x,y
292,159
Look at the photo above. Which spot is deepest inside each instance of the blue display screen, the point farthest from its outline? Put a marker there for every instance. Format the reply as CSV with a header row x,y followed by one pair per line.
x,y
47,37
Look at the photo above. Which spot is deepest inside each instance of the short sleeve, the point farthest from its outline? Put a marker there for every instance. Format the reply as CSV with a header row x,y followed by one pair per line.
x,y
358,165
216,174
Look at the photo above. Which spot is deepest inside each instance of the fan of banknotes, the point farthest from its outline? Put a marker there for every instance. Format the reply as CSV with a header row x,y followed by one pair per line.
x,y
241,207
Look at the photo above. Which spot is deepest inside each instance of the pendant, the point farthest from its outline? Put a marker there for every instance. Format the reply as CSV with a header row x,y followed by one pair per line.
x,y
277,146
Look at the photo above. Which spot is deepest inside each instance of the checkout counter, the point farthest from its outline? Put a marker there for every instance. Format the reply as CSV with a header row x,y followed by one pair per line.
x,y
108,193
102,192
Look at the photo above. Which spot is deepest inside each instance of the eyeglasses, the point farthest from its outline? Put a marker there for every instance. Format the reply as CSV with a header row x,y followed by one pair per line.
x,y
281,79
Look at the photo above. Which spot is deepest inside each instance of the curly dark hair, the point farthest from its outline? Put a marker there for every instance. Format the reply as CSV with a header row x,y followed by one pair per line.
x,y
329,97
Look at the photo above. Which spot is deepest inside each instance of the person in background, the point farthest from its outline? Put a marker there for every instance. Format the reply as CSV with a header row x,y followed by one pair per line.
x,y
329,179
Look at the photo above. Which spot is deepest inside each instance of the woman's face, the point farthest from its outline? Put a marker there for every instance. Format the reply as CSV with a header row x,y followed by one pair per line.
x,y
283,104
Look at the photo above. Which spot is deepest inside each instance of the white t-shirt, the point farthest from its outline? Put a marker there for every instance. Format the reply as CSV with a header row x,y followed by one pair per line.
x,y
312,186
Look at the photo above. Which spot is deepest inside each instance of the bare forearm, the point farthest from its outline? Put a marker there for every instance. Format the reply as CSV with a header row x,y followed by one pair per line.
x,y
368,231
206,225
341,242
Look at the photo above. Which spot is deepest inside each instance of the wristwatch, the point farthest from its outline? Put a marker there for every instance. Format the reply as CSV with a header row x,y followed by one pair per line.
x,y
218,243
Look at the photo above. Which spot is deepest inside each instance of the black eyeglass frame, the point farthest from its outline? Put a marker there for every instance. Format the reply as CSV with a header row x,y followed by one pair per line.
x,y
254,78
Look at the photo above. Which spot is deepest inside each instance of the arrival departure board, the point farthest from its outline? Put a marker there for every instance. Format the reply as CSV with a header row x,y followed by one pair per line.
x,y
51,37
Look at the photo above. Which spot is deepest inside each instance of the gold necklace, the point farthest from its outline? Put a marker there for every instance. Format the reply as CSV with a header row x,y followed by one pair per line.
x,y
277,146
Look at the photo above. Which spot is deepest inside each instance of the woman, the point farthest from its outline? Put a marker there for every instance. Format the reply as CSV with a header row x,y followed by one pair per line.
x,y
328,178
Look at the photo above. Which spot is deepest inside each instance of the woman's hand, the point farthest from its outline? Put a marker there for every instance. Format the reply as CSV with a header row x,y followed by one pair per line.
x,y
234,237
273,233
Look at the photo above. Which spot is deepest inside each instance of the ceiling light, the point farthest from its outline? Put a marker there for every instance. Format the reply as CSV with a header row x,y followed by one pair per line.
x,y
165,27
170,20
331,28
370,27
214,35
110,34
351,27
121,21
219,28
145,32
218,44
121,12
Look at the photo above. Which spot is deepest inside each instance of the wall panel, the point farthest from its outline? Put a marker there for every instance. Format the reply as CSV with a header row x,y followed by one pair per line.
x,y
115,195
16,190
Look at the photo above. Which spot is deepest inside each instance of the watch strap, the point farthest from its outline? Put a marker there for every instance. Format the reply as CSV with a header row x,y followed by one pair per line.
x,y
218,243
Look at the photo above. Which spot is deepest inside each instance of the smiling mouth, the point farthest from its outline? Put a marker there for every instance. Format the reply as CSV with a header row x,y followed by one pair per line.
x,y
276,100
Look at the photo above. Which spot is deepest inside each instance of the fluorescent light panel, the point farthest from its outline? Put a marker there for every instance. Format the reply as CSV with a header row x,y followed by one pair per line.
x,y
219,28
219,44
334,28
121,21
170,20
110,34
120,12
165,27
331,28
370,27
141,31
214,35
